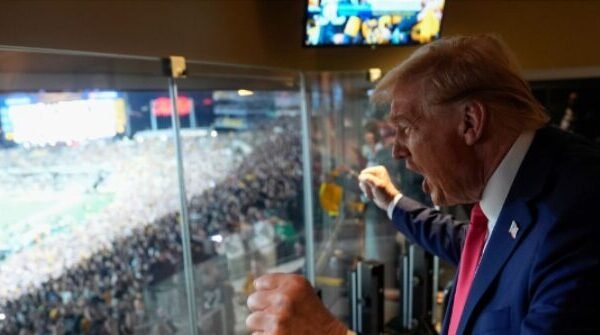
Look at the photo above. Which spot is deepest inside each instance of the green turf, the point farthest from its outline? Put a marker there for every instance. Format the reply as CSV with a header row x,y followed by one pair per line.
x,y
89,204
54,209
18,210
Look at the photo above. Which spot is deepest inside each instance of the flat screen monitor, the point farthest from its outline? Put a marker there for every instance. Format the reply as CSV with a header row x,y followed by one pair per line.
x,y
372,22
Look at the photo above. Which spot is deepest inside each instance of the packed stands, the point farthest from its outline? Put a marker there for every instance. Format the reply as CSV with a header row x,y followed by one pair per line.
x,y
90,277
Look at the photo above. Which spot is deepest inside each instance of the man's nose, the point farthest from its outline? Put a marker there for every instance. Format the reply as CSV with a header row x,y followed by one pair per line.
x,y
399,151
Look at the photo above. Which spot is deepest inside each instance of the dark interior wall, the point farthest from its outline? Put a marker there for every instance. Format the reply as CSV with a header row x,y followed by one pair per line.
x,y
545,34
232,31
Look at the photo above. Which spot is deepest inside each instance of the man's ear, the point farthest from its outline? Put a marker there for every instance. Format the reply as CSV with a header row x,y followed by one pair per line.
x,y
474,117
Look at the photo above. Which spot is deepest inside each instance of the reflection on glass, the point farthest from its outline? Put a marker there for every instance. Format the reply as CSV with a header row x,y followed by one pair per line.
x,y
350,134
253,218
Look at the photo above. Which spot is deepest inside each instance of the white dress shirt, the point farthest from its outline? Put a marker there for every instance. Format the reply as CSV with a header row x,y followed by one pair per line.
x,y
497,188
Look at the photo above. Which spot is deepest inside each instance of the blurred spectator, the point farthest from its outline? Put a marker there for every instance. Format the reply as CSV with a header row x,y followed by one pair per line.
x,y
372,145
582,115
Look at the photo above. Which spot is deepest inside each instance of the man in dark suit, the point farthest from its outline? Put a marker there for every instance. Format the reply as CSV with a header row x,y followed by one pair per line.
x,y
529,262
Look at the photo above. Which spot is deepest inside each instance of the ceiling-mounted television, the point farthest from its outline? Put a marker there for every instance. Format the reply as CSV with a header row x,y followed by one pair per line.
x,y
372,22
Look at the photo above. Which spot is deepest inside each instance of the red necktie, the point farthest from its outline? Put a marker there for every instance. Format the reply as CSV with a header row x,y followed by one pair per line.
x,y
469,259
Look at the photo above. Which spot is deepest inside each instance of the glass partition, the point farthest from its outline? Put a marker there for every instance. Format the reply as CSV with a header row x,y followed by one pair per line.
x,y
120,218
96,236
242,163
349,134
89,194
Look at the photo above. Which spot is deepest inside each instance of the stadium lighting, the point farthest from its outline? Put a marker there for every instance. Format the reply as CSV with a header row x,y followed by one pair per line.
x,y
103,95
2,316
18,101
374,74
244,93
217,238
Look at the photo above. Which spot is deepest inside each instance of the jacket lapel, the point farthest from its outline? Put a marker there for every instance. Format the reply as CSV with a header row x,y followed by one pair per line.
x,y
528,184
448,314
499,248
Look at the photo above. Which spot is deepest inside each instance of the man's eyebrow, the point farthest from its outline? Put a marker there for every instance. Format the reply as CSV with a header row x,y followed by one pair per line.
x,y
394,118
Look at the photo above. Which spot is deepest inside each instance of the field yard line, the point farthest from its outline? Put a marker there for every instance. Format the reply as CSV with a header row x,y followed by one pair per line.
x,y
64,204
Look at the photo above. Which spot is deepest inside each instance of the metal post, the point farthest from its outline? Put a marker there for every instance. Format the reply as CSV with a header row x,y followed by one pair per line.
x,y
153,121
192,114
405,290
184,218
359,295
435,284
307,182
411,285
128,131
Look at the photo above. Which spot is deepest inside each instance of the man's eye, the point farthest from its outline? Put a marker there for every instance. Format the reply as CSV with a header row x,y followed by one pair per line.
x,y
401,131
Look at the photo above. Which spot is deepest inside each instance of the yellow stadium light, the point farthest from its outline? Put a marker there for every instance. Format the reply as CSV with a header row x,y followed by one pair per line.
x,y
374,74
244,93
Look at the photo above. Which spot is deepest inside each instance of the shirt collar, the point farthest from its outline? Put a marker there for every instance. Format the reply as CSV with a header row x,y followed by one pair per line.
x,y
497,188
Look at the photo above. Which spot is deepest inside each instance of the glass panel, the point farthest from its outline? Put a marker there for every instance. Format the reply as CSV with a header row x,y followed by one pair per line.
x,y
243,174
338,104
89,228
350,134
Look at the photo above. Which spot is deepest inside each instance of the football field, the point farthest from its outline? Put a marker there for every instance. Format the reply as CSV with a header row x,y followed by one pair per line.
x,y
27,219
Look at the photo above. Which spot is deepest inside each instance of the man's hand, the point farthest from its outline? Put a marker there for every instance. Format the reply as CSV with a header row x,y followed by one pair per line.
x,y
285,304
376,185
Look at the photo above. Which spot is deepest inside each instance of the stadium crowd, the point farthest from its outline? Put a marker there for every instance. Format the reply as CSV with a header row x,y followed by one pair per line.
x,y
92,279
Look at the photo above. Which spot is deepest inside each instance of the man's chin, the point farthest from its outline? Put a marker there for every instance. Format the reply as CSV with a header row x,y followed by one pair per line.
x,y
437,197
436,200
442,202
441,199
425,186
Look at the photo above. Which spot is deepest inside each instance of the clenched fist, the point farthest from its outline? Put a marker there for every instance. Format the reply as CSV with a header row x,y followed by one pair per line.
x,y
376,184
285,304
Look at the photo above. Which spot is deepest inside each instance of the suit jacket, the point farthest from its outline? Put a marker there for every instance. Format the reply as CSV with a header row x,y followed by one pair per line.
x,y
546,279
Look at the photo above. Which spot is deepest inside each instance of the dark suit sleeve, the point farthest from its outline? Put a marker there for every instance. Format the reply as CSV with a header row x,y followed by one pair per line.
x,y
435,232
565,277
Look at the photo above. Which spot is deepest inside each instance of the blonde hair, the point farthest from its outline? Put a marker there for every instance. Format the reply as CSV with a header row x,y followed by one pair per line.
x,y
459,68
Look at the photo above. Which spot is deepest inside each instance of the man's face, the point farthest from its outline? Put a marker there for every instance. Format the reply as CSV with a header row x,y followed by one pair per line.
x,y
429,139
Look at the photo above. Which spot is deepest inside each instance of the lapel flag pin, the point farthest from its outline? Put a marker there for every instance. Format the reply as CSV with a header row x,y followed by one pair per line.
x,y
513,230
